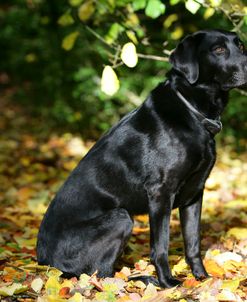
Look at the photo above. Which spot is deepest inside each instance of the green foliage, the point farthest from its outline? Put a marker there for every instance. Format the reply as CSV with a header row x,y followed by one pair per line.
x,y
154,8
234,120
54,52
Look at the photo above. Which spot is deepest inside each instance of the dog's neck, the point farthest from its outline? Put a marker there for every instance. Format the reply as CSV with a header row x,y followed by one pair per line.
x,y
209,100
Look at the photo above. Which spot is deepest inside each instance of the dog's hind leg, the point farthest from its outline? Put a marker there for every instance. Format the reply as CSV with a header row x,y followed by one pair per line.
x,y
93,245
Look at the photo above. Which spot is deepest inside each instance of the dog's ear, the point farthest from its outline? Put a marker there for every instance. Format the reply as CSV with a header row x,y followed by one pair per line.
x,y
184,58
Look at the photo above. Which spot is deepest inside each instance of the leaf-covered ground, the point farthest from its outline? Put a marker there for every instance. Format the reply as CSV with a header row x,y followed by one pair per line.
x,y
34,163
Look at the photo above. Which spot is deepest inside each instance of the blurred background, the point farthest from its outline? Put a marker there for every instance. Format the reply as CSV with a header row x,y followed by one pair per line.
x,y
69,70
52,55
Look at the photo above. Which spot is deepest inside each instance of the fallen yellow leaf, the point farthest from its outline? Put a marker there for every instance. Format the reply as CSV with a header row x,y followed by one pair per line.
x,y
232,265
76,298
150,291
227,256
37,284
214,269
54,298
180,267
238,233
236,204
12,289
140,284
176,294
231,285
142,218
141,265
226,295
52,286
22,242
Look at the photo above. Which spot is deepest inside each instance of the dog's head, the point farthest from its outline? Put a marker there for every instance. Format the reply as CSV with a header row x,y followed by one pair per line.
x,y
212,56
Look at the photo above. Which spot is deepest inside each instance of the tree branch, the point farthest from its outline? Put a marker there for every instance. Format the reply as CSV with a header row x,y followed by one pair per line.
x,y
153,57
100,38
118,50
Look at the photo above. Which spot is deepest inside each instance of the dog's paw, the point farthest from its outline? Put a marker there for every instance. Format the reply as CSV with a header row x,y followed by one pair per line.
x,y
145,279
198,269
200,274
170,282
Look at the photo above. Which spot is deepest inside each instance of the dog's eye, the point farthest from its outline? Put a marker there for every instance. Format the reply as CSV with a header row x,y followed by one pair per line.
x,y
219,49
241,47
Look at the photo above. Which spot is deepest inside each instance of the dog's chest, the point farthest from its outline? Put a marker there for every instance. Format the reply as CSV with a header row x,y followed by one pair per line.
x,y
195,179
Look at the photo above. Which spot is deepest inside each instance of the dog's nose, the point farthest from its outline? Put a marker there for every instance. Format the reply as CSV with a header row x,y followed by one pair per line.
x,y
245,66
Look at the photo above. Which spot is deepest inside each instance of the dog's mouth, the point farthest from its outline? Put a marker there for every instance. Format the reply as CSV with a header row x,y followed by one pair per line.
x,y
236,81
243,85
228,87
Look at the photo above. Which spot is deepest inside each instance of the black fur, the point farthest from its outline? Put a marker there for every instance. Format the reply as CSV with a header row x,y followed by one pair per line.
x,y
156,158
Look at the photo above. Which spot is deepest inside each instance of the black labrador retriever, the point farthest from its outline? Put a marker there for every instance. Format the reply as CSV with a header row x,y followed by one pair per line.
x,y
155,159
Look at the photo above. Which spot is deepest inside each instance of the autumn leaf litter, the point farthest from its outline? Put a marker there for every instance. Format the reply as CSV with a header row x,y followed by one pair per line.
x,y
33,166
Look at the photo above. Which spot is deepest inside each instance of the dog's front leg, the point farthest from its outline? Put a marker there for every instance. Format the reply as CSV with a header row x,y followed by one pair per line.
x,y
159,216
190,217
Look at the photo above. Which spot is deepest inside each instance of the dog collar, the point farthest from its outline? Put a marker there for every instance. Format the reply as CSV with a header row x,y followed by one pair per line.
x,y
213,126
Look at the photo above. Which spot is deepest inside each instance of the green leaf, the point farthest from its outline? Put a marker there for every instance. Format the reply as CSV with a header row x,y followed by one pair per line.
x,y
209,12
113,32
112,3
154,8
170,20
86,10
192,6
215,3
66,19
69,41
174,2
138,4
75,2
13,246
245,20
131,35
